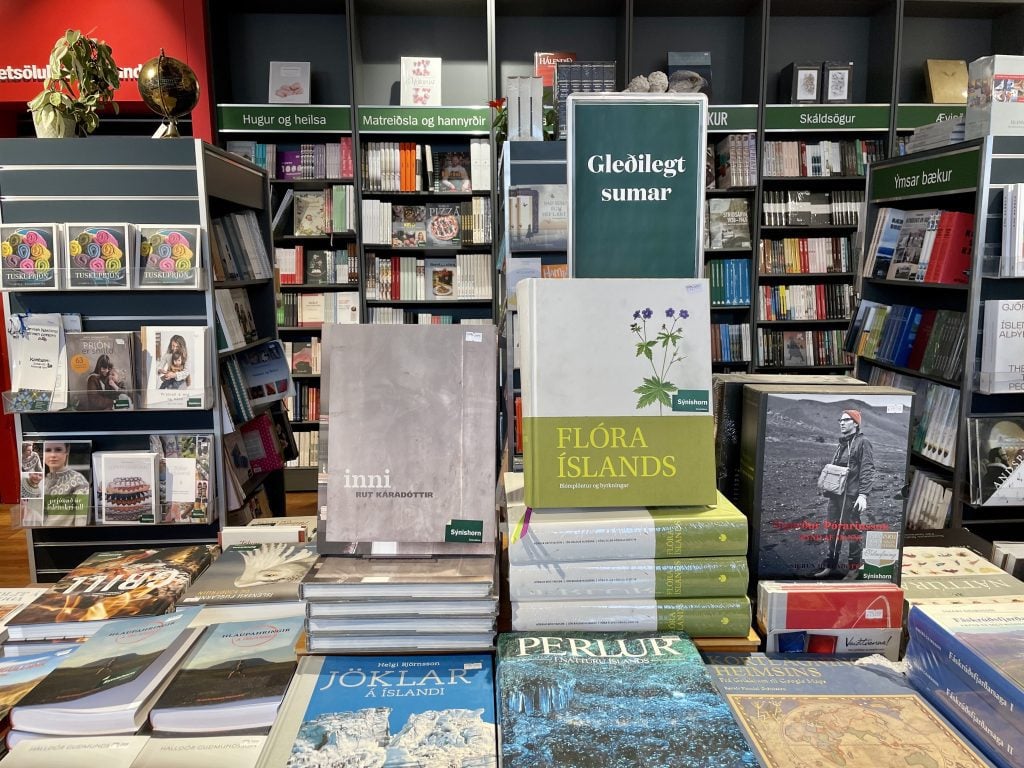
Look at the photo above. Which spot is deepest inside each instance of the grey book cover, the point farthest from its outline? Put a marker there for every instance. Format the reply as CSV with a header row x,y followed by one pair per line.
x,y
410,434
253,573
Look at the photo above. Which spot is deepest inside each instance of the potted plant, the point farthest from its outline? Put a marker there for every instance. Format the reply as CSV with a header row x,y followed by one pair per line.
x,y
82,77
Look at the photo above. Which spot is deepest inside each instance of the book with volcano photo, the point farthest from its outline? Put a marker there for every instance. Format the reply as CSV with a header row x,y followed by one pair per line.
x,y
233,680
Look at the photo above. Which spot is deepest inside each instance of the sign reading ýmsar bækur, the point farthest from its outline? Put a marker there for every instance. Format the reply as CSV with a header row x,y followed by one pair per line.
x,y
636,184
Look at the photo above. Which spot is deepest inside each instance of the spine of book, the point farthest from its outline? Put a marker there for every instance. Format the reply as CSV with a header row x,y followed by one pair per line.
x,y
539,538
645,579
698,617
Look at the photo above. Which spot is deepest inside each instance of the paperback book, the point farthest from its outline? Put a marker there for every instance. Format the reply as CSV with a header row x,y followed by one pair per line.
x,y
184,476
233,680
343,578
108,684
168,257
56,482
97,256
443,225
794,438
28,257
632,426
571,699
1002,347
438,385
440,711
174,367
205,752
309,213
129,487
801,710
538,217
995,449
253,573
101,366
420,81
111,585
12,600
265,373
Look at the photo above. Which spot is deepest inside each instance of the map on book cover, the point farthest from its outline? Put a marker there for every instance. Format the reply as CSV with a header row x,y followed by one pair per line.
x,y
577,700
393,394
631,426
387,711
806,711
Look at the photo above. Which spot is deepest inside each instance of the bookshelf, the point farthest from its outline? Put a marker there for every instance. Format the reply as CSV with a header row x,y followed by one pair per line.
x,y
946,377
136,180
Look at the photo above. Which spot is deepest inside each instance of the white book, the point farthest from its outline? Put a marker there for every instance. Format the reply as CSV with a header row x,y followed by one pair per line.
x,y
33,347
205,752
421,81
174,367
76,752
1002,347
128,483
228,319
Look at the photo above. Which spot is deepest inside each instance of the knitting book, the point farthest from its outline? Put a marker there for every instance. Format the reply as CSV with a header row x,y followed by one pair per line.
x,y
632,425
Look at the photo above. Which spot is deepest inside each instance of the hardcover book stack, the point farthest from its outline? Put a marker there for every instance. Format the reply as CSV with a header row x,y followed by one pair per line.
x,y
965,659
407,536
628,569
594,543
955,575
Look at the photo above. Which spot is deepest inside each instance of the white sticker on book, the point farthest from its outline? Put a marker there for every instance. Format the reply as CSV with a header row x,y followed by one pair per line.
x,y
474,336
894,408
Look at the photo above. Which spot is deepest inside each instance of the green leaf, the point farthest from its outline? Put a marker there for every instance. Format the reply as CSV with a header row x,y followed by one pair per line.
x,y
645,348
654,390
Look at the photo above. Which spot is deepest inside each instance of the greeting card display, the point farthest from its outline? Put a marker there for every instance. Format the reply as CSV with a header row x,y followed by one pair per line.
x,y
168,257
28,257
97,256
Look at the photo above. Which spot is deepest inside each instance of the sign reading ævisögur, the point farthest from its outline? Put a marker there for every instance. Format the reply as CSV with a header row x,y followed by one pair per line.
x,y
636,184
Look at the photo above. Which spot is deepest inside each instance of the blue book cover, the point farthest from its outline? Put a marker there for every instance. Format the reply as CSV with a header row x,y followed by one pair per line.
x,y
807,710
388,711
593,700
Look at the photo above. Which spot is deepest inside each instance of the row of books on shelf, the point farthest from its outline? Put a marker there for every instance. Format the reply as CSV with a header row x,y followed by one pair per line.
x,y
847,157
538,217
66,256
408,278
579,77
254,378
318,212
806,255
303,355
727,223
304,405
400,316
733,162
55,366
238,248
429,226
64,483
308,445
824,301
406,166
730,282
316,266
927,340
299,161
936,413
929,501
312,310
1002,348
730,342
932,136
927,245
435,225
793,349
804,208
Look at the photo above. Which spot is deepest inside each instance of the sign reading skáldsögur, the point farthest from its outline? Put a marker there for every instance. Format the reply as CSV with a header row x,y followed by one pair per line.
x,y
636,184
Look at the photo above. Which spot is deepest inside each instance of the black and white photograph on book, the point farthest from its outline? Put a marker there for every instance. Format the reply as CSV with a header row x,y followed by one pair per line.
x,y
823,473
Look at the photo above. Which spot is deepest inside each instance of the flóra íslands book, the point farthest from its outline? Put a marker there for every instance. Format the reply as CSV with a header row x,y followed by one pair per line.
x,y
616,377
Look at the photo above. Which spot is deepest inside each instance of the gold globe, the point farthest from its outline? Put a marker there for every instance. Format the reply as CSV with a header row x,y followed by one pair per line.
x,y
169,87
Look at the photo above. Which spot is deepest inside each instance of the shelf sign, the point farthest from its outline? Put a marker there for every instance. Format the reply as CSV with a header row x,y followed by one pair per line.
x,y
636,184
742,117
953,172
424,119
826,117
911,116
301,118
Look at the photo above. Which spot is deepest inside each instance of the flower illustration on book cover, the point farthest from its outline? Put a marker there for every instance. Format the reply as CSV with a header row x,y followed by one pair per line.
x,y
663,343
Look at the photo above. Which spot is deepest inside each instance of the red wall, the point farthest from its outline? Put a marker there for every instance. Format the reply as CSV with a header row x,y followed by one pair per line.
x,y
135,31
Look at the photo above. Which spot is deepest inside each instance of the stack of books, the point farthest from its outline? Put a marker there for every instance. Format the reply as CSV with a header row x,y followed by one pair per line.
x,y
934,135
585,552
408,530
627,567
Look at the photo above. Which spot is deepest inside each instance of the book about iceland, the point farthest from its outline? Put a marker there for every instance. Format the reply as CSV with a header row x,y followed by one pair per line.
x,y
574,700
386,711
617,407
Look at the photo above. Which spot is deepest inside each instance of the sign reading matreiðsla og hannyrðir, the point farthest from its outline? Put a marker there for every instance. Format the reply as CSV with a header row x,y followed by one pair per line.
x,y
636,184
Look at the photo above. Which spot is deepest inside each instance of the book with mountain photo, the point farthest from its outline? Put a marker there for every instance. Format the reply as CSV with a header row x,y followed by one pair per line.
x,y
233,680
386,480
632,426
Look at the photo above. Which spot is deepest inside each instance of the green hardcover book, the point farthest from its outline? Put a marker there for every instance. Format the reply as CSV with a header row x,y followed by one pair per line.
x,y
696,616
578,700
616,378
672,577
